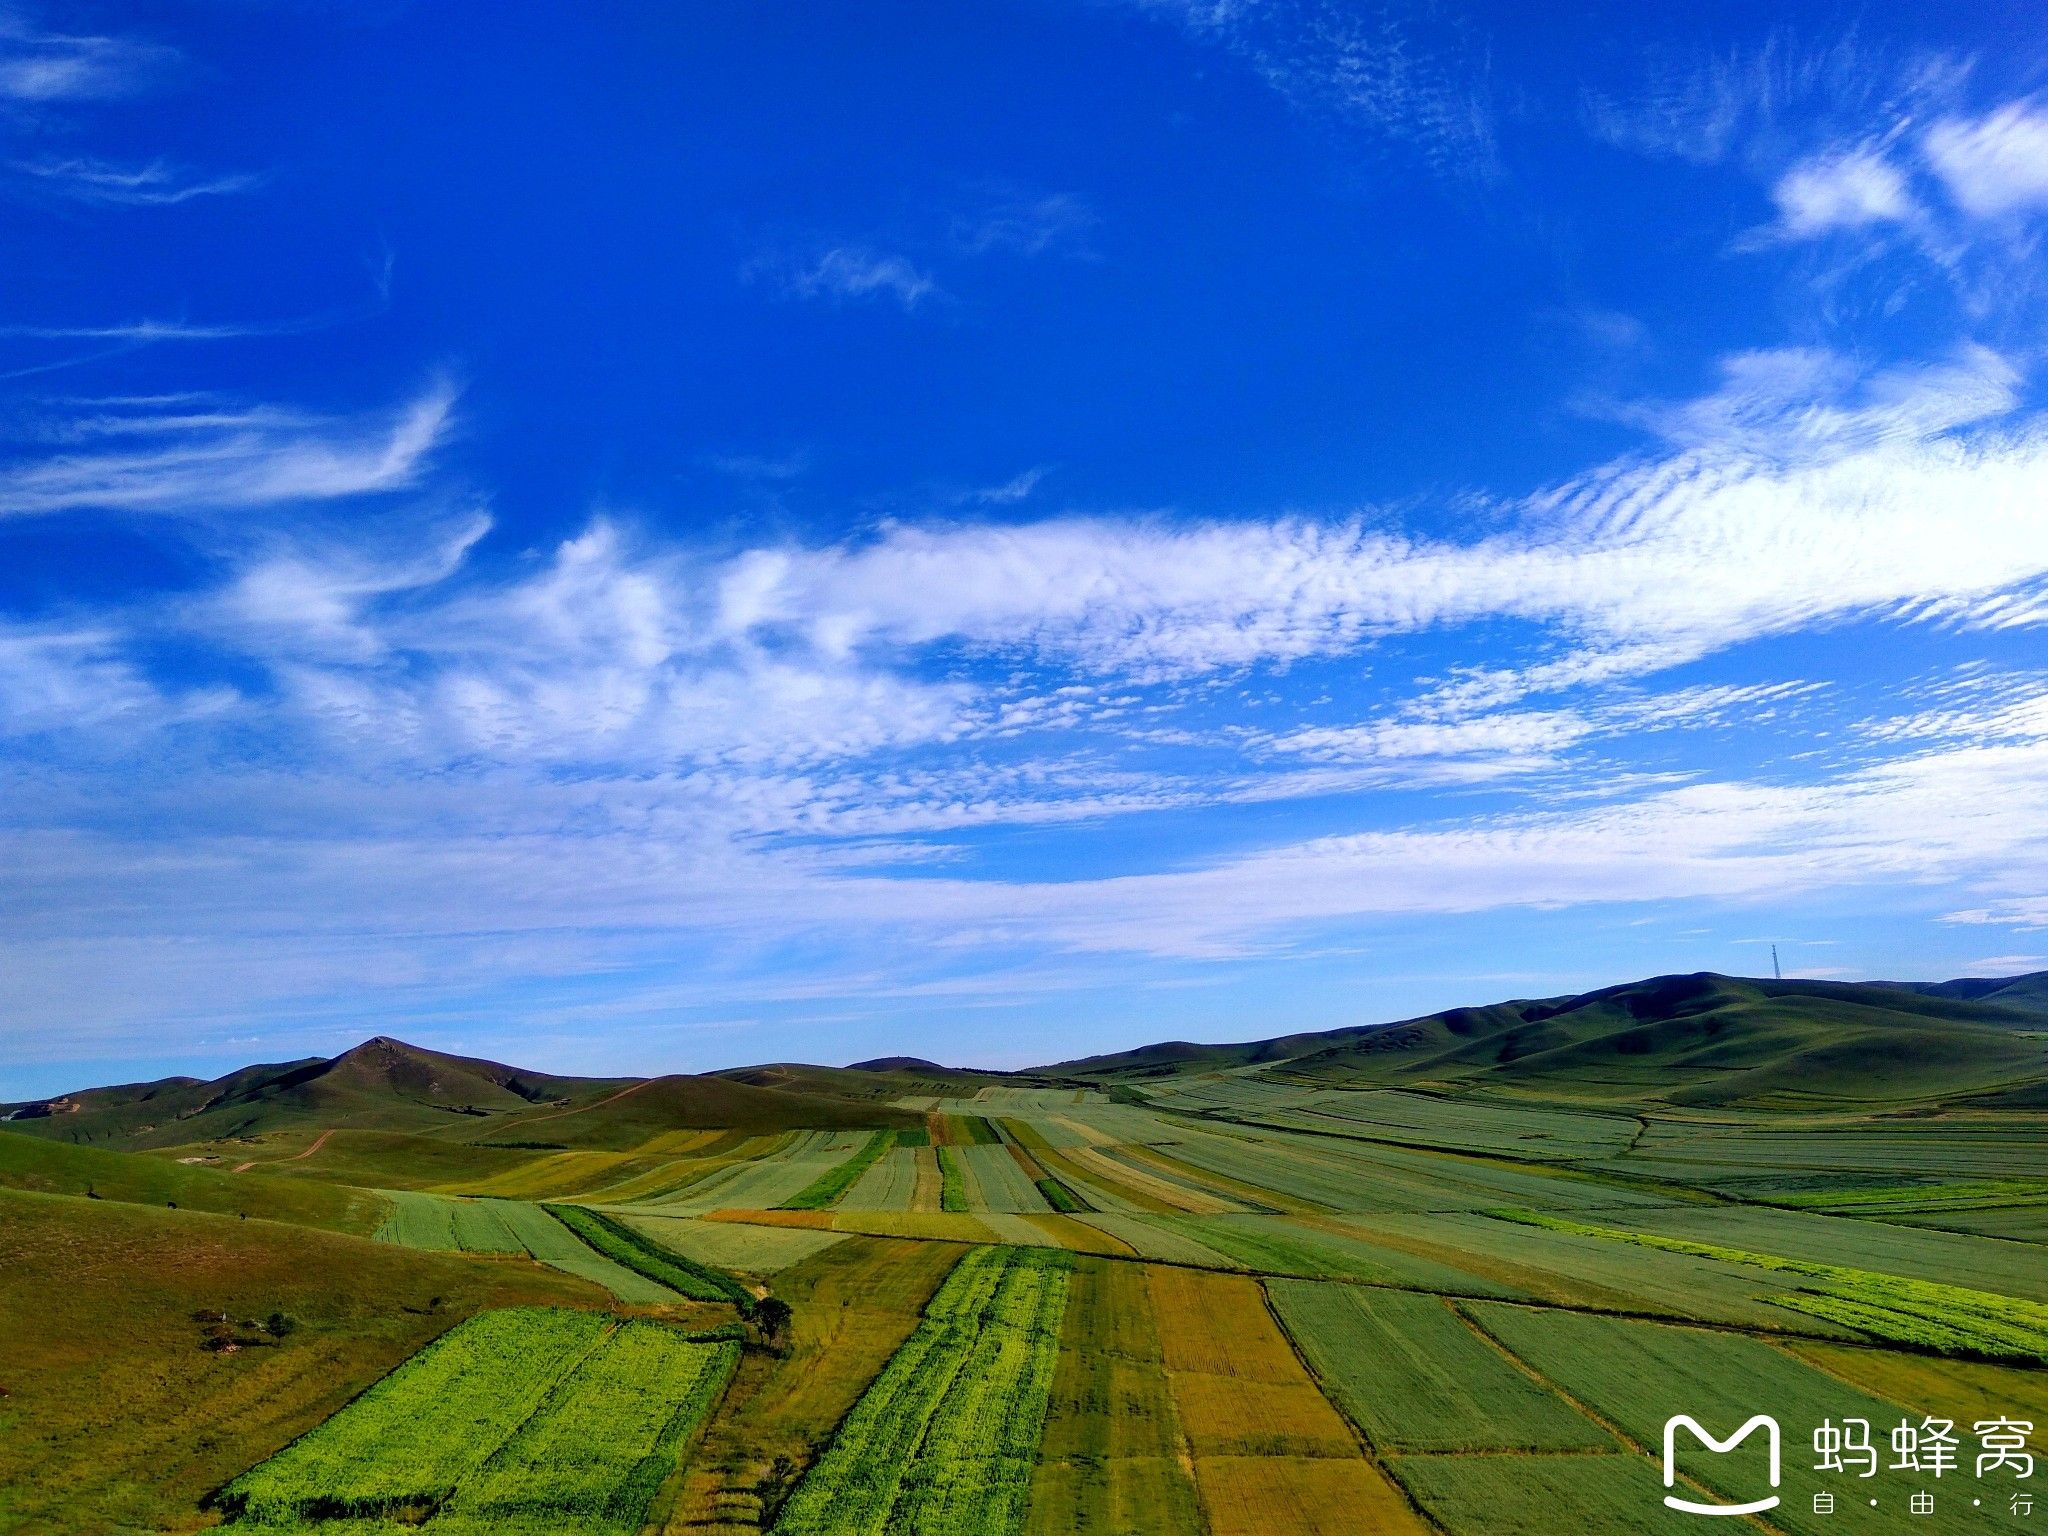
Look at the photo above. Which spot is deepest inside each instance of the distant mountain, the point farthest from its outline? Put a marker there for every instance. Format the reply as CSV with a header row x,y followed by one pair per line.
x,y
386,1084
1702,1040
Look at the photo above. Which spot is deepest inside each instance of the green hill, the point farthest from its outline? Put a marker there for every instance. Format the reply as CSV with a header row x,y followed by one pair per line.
x,y
387,1085
1701,1040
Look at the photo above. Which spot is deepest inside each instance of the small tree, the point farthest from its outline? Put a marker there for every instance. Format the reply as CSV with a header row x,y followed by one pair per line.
x,y
772,1315
279,1324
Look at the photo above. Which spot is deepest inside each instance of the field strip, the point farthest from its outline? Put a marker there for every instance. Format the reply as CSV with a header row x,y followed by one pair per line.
x,y
412,1437
1254,1197
946,1436
1112,1457
1270,1455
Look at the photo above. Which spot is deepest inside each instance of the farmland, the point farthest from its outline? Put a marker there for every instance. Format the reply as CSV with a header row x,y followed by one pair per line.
x,y
520,1420
1312,1292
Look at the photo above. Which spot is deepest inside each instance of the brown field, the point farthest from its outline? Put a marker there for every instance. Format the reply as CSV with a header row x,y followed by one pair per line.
x,y
925,1197
1271,1457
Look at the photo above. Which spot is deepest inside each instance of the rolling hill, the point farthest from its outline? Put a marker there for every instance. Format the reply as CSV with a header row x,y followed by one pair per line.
x,y
1701,1040
387,1085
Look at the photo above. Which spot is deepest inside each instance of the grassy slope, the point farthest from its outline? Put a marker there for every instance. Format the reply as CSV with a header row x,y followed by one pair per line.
x,y
58,1168
117,1419
1699,1041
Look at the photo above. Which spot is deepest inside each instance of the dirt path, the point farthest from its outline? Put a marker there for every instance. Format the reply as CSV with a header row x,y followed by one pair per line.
x,y
318,1142
577,1109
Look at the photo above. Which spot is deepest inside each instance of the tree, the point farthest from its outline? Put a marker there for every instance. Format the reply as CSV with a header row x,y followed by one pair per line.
x,y
772,1315
279,1324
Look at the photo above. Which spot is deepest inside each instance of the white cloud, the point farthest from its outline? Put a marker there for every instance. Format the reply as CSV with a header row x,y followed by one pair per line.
x,y
1029,226
153,185
1794,402
38,68
1411,79
1993,165
850,272
222,460
1844,191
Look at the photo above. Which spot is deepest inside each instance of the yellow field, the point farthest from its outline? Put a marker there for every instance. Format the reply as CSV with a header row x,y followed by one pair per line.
x,y
1271,1457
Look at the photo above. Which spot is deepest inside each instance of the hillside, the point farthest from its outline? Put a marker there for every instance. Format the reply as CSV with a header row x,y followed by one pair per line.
x,y
1701,1040
385,1084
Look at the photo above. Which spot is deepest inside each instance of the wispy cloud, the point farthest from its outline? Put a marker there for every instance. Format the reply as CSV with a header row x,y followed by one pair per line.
x,y
40,68
154,185
1995,165
1402,74
1028,226
1852,190
224,459
847,272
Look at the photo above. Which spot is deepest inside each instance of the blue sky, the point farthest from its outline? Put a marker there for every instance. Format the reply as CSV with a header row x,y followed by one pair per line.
x,y
655,539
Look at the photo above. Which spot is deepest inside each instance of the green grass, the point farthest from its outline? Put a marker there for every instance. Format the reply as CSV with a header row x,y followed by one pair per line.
x,y
829,1187
945,1439
952,1182
636,1251
59,1168
1414,1377
408,1441
1923,1314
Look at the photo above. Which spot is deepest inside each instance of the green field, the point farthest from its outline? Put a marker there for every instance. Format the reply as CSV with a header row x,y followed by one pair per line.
x,y
946,1438
520,1421
1378,1280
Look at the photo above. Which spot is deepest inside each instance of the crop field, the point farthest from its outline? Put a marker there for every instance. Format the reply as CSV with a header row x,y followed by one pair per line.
x,y
761,1182
1111,1455
746,1250
946,1438
1414,1376
450,1224
1269,1453
996,1181
1183,1299
631,1249
1624,1372
409,1440
1491,1495
549,1423
1920,1313
889,1183
831,1186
